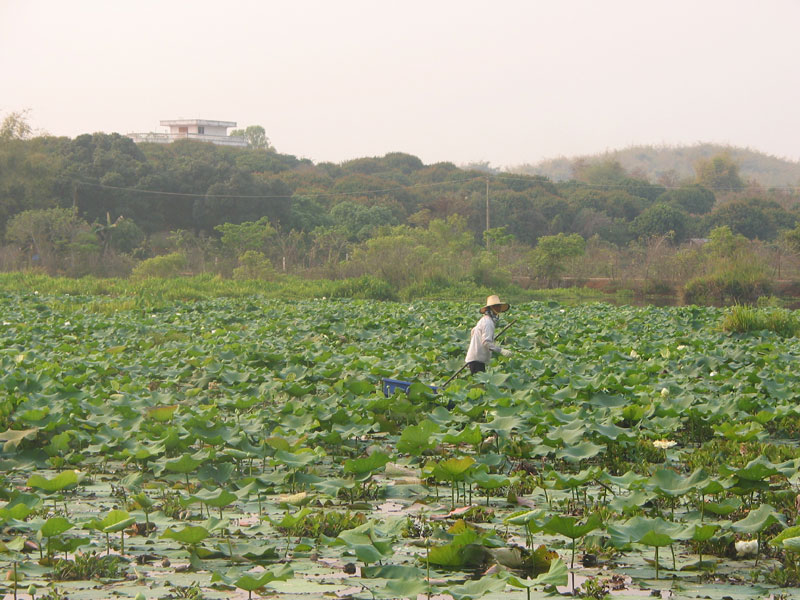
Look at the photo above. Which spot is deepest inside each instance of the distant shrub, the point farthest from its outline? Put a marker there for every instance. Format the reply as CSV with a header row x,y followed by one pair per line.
x,y
745,319
254,265
741,319
653,287
366,287
485,271
167,265
738,285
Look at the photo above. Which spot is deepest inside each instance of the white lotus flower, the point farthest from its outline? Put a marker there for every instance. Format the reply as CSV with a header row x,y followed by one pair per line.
x,y
746,548
634,354
664,392
713,374
664,444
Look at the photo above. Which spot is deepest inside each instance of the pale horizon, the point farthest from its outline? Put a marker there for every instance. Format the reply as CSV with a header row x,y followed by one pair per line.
x,y
511,84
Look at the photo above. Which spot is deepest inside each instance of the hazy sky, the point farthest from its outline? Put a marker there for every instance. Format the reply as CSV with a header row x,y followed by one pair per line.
x,y
508,82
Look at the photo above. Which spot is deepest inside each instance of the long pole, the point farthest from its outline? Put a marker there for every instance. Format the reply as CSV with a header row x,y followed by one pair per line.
x,y
464,366
487,213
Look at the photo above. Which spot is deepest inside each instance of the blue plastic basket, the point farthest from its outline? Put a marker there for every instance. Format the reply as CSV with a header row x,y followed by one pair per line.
x,y
390,385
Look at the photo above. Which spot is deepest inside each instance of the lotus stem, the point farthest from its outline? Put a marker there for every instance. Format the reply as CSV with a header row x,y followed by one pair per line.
x,y
656,562
572,562
428,565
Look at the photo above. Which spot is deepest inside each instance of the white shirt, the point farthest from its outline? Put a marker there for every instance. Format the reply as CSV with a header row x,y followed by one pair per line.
x,y
481,344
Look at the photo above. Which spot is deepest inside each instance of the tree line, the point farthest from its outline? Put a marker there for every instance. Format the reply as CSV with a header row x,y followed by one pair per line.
x,y
102,204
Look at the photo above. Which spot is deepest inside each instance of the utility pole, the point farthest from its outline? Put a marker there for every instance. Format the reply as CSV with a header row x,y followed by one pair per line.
x,y
486,233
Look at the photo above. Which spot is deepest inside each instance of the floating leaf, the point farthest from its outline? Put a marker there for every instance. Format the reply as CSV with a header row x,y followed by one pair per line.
x,y
191,535
12,438
184,464
370,464
55,526
758,520
162,414
63,481
477,588
416,439
557,575
453,469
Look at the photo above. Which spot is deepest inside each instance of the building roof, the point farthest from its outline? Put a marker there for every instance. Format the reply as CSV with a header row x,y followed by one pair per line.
x,y
205,122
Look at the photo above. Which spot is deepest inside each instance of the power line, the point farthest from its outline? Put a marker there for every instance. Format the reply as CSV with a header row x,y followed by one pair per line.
x,y
497,176
278,196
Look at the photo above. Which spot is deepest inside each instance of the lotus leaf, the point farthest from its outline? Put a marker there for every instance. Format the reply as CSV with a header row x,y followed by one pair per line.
x,y
191,535
759,519
63,481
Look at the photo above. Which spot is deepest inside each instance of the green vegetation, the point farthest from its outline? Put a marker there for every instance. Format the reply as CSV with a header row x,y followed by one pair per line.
x,y
100,205
189,448
747,319
672,164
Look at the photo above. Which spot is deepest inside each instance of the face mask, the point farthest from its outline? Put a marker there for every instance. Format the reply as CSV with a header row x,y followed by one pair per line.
x,y
495,317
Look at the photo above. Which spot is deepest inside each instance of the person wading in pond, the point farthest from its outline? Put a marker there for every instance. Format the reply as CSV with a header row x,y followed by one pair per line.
x,y
481,343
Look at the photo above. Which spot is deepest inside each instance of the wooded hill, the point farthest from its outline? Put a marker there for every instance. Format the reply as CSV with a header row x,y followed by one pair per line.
x,y
673,164
101,204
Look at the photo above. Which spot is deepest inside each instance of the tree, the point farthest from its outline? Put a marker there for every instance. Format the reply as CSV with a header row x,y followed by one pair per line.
x,y
660,219
256,137
719,173
15,126
723,244
306,214
694,199
254,265
752,217
360,221
792,238
56,238
239,238
551,253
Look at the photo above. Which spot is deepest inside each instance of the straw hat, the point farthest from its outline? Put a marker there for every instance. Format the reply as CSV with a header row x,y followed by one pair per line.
x,y
494,303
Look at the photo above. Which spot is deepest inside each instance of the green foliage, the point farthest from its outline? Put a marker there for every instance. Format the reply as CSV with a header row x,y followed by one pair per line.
x,y
754,218
255,405
87,567
746,319
723,244
694,199
719,172
55,239
324,523
415,226
487,272
168,265
672,165
15,126
551,252
662,219
740,283
238,238
736,274
256,136
365,287
254,265
359,221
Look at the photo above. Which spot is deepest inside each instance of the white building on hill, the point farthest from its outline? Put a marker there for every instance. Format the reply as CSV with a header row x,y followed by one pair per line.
x,y
202,130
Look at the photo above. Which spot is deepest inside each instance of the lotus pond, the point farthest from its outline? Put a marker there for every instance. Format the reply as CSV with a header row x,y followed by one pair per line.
x,y
238,448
